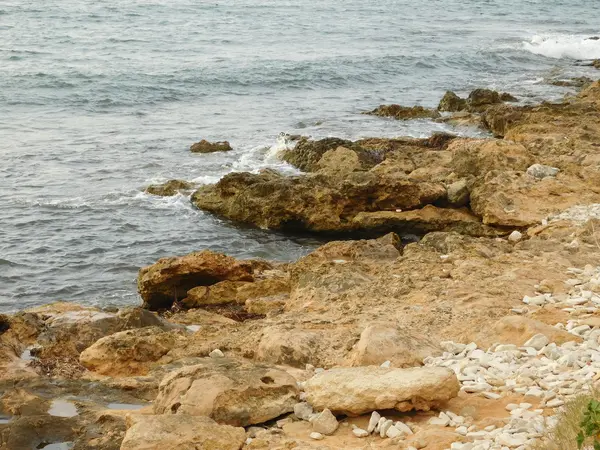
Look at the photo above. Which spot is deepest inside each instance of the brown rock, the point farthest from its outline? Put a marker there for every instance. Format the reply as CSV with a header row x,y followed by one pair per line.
x,y
518,329
405,112
480,156
229,391
359,390
386,342
180,432
131,352
268,287
501,118
220,293
265,305
210,147
479,99
293,347
506,97
340,161
169,279
452,102
170,188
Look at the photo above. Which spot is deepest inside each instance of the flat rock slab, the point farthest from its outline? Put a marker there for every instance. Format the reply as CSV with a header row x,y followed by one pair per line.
x,y
358,390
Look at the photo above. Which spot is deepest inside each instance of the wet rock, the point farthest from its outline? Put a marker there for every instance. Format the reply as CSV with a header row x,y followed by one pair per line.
x,y
147,432
210,147
479,156
129,352
31,432
576,82
386,342
541,171
452,102
229,391
506,97
4,323
358,390
316,203
170,188
169,279
325,423
596,63
308,155
405,112
481,98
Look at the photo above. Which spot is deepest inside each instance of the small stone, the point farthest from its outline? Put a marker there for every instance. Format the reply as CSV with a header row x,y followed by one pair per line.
x,y
375,416
403,427
216,353
393,432
384,427
303,411
386,364
316,436
555,403
541,171
539,341
359,432
491,395
462,430
444,422
515,236
325,423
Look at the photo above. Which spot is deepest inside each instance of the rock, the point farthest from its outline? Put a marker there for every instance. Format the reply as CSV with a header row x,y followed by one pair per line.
x,y
219,293
452,102
479,99
308,155
216,353
506,97
373,421
325,423
316,436
518,330
596,63
384,427
303,411
458,193
538,341
358,390
170,188
402,347
393,432
130,352
263,306
540,171
405,112
515,236
229,391
210,147
479,156
265,288
147,432
293,347
169,279
316,203
340,161
499,119
359,432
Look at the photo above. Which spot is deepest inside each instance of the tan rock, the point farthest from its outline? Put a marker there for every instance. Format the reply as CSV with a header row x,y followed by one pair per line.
x,y
264,305
480,156
386,342
399,112
518,329
163,432
325,423
131,352
268,287
358,390
219,293
170,279
340,161
170,188
229,391
452,102
294,347
210,147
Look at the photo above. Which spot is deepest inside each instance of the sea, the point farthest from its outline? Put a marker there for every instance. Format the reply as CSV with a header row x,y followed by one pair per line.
x,y
100,98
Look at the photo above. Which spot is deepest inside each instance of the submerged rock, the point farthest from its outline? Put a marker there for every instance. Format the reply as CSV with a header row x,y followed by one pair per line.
x,y
399,112
169,279
232,392
359,390
170,188
148,432
210,147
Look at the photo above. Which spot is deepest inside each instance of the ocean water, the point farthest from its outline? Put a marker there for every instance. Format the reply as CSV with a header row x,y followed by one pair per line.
x,y
100,98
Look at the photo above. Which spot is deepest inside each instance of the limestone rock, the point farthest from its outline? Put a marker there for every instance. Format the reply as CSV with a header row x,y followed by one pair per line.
x,y
541,171
170,188
219,293
325,423
499,119
480,156
452,102
481,98
170,279
358,390
210,147
340,161
515,236
148,432
229,391
405,112
264,288
386,342
294,347
518,330
537,341
130,352
458,193
303,411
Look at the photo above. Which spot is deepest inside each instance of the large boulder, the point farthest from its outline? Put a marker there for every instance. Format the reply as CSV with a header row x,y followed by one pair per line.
x,y
382,342
131,352
399,112
169,279
479,156
210,147
358,390
480,99
148,432
311,202
170,188
229,391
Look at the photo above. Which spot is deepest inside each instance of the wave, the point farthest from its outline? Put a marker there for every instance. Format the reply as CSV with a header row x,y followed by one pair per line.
x,y
564,46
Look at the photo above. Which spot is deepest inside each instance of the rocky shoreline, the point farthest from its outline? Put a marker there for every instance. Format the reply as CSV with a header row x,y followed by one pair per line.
x,y
470,336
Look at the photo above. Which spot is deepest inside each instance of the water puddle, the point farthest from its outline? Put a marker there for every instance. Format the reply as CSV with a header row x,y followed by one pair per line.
x,y
56,446
129,406
62,408
5,419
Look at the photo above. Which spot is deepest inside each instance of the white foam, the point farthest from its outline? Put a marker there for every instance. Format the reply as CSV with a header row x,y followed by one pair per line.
x,y
564,46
